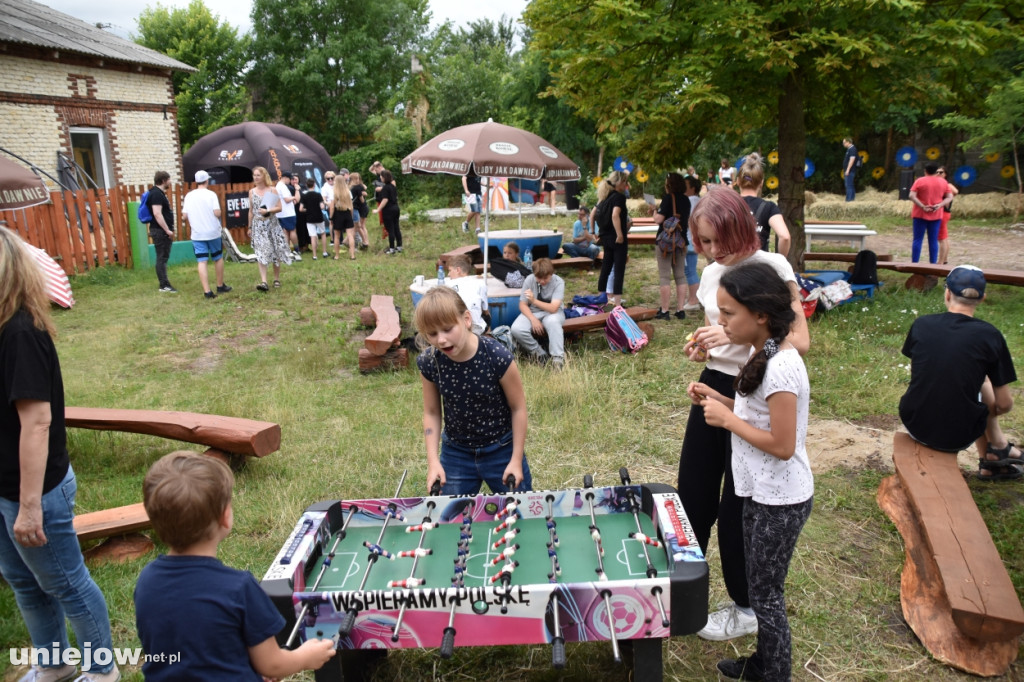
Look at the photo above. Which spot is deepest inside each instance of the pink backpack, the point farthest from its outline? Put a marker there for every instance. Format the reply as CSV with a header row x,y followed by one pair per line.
x,y
622,332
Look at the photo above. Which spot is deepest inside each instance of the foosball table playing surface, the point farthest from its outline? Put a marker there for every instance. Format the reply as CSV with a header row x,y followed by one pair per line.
x,y
617,563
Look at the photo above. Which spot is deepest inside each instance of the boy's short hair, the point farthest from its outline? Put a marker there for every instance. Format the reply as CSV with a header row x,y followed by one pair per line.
x,y
542,268
461,262
310,183
184,494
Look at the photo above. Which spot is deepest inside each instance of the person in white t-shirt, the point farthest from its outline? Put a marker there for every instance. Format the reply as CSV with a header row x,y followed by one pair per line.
x,y
726,232
471,288
201,208
287,215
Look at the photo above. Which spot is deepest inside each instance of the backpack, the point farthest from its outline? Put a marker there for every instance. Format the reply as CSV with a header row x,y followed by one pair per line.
x,y
865,268
501,267
672,237
503,335
761,217
858,161
145,214
622,332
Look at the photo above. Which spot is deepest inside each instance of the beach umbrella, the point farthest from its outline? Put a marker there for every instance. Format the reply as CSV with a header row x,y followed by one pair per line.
x,y
20,187
491,149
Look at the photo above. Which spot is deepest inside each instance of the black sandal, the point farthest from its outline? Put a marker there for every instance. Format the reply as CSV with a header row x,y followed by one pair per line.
x,y
989,471
1004,455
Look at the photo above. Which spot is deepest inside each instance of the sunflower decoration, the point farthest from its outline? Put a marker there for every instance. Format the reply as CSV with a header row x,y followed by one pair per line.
x,y
773,158
864,156
642,176
877,172
772,182
993,157
597,180
1007,172
932,153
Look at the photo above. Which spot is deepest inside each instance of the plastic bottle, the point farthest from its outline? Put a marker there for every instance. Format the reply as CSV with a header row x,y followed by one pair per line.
x,y
440,275
528,258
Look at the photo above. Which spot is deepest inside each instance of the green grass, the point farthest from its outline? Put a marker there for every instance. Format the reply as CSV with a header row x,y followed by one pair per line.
x,y
290,356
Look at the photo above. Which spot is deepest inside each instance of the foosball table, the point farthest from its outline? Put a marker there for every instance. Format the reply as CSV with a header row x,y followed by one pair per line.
x,y
616,563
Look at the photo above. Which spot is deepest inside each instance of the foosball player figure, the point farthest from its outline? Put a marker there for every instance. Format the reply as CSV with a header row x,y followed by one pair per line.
x,y
484,435
196,617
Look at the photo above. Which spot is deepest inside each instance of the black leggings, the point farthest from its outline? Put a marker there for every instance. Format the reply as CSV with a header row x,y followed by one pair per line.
x,y
769,535
614,254
707,491
394,230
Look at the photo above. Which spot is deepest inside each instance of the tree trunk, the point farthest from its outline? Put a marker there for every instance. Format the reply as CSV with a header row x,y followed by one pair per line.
x,y
792,152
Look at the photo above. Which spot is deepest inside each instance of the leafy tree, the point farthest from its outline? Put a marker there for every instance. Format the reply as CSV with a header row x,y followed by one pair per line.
x,y
325,67
214,96
681,72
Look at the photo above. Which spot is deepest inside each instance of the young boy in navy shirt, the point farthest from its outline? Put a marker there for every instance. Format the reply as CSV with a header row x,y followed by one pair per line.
x,y
197,618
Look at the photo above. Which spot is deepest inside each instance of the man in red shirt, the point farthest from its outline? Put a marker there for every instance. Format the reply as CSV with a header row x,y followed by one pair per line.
x,y
930,195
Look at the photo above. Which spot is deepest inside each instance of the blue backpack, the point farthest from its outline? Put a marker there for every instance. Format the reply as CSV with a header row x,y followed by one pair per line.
x,y
144,214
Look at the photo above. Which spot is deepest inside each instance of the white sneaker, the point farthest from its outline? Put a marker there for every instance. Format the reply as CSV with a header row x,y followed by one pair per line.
x,y
41,674
465,226
113,675
728,623
692,307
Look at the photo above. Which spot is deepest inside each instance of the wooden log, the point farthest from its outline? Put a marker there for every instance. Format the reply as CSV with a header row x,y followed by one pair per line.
x,y
924,603
230,434
366,317
118,549
841,257
396,358
647,328
388,329
982,597
589,322
992,276
107,522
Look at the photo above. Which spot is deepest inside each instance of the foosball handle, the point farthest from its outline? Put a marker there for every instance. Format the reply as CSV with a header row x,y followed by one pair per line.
x,y
448,643
346,623
510,482
558,653
588,481
435,489
624,476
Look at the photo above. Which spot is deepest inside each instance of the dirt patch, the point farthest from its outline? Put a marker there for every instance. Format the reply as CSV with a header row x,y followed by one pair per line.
x,y
986,247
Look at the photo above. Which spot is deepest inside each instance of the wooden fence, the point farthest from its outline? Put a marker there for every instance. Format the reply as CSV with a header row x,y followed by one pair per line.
x,y
85,229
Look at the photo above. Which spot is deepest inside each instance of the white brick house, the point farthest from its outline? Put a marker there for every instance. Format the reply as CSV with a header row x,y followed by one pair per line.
x,y
70,87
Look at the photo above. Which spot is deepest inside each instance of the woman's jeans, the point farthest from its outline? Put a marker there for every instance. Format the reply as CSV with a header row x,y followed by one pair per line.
x,y
51,582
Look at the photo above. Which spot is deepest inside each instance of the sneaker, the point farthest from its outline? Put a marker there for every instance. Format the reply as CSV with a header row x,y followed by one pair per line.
x,y
390,252
209,294
41,674
223,289
296,256
692,307
465,226
325,255
314,256
662,315
557,364
680,314
113,675
728,623
168,290
398,249
478,230
741,668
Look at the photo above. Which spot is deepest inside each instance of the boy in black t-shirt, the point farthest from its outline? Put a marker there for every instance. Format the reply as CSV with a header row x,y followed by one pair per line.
x,y
960,373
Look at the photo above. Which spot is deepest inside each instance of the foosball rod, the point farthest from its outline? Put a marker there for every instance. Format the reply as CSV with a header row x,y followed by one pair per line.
x,y
448,638
634,506
323,569
350,616
611,626
595,532
412,572
557,641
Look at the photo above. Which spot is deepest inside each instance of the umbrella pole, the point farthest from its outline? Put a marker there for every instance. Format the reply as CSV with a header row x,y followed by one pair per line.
x,y
520,204
487,223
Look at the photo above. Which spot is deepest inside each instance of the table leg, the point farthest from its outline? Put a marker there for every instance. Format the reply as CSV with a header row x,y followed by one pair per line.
x,y
646,658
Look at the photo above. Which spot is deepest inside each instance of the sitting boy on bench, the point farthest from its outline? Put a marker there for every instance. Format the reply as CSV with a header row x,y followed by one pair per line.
x,y
960,371
540,312
472,290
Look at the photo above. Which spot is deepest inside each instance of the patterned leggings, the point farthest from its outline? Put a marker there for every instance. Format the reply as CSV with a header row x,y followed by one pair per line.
x,y
769,537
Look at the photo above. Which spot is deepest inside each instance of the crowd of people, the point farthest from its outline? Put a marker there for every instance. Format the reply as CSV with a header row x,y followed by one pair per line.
x,y
743,461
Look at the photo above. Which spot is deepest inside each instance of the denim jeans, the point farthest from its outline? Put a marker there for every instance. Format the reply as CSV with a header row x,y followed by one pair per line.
x,y
162,246
577,251
923,228
851,192
466,468
51,582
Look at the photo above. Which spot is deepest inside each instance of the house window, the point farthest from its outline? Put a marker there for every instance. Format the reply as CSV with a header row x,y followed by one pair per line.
x,y
89,146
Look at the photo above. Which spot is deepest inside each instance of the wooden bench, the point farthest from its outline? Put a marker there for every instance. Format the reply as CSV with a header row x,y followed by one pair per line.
x,y
580,262
955,592
854,233
590,322
223,436
842,257
381,347
1014,277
